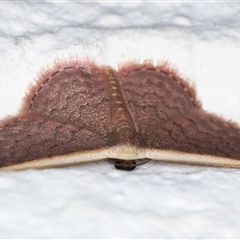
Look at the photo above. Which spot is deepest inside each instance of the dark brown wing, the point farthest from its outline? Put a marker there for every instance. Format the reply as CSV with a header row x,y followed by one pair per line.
x,y
154,95
66,111
74,94
29,138
199,133
169,117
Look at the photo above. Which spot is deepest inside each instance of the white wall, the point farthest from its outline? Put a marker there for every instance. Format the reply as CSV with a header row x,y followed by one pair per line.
x,y
157,200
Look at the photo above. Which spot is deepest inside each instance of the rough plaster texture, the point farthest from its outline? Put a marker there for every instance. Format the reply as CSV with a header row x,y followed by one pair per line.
x,y
157,200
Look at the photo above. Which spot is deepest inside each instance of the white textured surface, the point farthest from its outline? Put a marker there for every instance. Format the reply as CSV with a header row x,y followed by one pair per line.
x,y
202,40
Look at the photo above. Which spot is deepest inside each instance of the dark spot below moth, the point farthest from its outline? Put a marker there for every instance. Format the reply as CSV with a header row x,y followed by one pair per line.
x,y
79,112
123,165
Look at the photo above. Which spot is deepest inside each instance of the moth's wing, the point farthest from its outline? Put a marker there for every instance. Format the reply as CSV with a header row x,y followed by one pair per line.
x,y
153,95
38,142
171,122
74,94
65,112
205,138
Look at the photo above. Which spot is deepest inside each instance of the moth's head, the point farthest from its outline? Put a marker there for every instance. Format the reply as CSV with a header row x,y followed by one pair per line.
x,y
127,165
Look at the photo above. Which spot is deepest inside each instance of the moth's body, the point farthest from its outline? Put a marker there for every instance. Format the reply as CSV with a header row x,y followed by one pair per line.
x,y
122,127
79,113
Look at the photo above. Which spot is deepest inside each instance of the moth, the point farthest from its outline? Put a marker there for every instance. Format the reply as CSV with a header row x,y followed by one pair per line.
x,y
78,112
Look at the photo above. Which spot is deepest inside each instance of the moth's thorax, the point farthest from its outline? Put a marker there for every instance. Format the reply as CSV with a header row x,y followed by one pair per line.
x,y
122,127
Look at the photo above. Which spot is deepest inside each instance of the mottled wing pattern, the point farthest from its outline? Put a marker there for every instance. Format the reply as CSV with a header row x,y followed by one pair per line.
x,y
153,96
33,138
198,132
75,96
169,117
